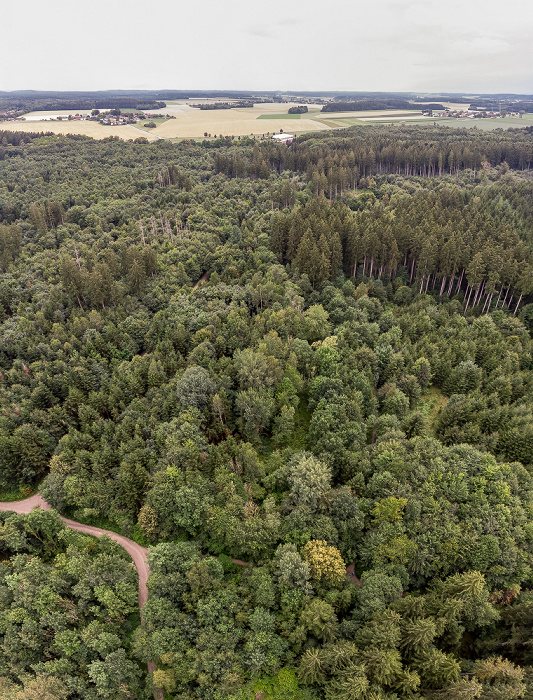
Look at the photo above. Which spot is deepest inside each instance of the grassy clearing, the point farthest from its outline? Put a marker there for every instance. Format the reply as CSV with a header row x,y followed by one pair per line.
x,y
302,418
102,522
333,123
280,116
431,403
157,121
464,123
487,124
351,122
18,494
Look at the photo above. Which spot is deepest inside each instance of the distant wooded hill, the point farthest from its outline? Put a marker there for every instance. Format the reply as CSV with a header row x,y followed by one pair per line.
x,y
362,105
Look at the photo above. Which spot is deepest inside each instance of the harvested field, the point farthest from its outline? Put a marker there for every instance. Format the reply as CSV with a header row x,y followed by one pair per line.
x,y
371,114
231,122
40,116
92,129
487,124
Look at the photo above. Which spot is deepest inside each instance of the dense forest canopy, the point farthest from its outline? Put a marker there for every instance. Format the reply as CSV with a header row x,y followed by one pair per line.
x,y
303,376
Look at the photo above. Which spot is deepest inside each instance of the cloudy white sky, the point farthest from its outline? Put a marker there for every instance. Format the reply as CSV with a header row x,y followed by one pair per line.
x,y
375,45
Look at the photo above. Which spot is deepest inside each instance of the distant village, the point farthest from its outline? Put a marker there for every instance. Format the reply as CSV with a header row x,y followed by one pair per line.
x,y
472,114
11,115
113,117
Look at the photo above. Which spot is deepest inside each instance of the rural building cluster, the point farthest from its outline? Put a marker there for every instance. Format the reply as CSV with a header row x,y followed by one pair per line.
x,y
11,115
473,114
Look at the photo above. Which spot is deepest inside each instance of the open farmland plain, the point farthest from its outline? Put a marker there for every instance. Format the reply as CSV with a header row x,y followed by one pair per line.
x,y
83,128
188,122
242,121
261,119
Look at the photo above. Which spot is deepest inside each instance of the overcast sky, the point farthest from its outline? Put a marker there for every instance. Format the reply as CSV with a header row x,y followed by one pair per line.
x,y
450,45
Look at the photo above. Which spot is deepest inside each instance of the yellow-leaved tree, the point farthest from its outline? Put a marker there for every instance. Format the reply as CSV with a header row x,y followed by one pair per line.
x,y
325,562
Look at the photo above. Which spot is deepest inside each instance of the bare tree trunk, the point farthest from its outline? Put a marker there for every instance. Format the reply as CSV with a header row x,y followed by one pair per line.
x,y
459,283
506,293
489,296
78,263
169,230
450,286
517,304
412,271
469,295
481,292
476,295
499,295
142,231
443,284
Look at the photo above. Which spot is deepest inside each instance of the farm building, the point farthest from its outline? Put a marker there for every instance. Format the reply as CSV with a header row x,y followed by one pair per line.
x,y
283,138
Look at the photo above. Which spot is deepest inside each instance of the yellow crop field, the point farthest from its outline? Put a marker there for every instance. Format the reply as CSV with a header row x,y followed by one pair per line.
x,y
231,122
84,128
193,122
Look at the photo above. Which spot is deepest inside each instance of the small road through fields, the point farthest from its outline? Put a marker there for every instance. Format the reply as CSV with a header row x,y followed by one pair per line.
x,y
149,133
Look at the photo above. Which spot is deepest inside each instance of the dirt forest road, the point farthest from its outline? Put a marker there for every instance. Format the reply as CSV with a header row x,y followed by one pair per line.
x,y
136,552
202,279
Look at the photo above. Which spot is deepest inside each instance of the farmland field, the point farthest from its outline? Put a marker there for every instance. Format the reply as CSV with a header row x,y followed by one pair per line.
x,y
92,129
261,119
279,116
372,114
40,116
488,124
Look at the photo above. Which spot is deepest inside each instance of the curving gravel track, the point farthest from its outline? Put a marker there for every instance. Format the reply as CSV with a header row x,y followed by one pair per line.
x,y
136,552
